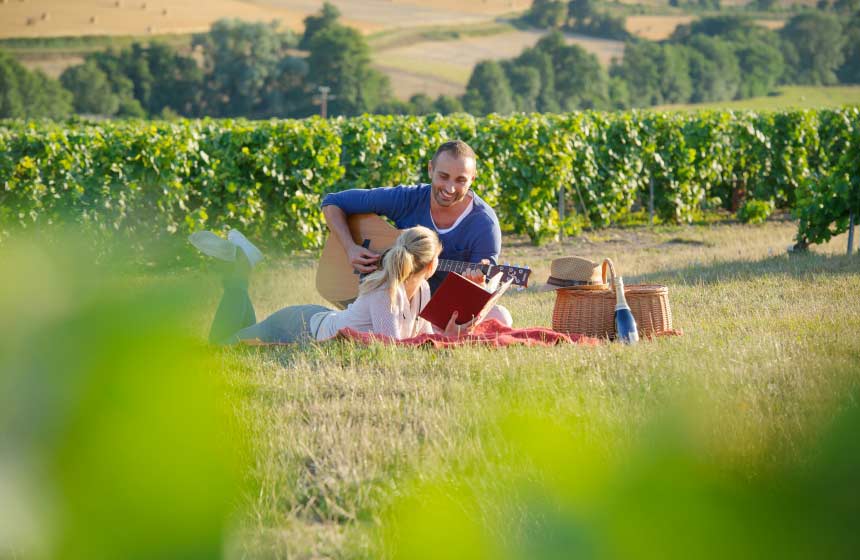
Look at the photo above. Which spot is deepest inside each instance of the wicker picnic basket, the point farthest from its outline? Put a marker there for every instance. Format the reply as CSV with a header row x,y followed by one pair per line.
x,y
590,311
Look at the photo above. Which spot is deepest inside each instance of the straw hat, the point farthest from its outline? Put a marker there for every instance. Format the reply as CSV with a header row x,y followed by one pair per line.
x,y
575,272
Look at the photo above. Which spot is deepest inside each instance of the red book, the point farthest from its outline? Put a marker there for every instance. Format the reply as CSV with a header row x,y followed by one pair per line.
x,y
468,299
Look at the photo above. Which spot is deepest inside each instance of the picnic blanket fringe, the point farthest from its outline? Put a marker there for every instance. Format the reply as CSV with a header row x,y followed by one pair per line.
x,y
488,333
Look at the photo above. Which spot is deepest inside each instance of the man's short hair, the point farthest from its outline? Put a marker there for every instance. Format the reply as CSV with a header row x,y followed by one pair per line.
x,y
457,149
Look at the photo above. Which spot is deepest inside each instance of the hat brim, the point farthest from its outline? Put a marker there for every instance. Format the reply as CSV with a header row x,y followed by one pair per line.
x,y
586,287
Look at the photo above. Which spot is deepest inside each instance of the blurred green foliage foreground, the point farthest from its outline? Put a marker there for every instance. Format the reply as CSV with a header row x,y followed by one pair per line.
x,y
668,497
114,437
119,438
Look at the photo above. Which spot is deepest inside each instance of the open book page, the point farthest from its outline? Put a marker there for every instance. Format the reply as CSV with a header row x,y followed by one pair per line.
x,y
497,294
493,283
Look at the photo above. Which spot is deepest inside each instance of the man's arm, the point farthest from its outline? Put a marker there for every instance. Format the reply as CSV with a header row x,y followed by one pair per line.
x,y
364,260
389,201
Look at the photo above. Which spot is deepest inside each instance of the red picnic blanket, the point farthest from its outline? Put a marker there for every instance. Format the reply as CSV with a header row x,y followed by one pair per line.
x,y
488,333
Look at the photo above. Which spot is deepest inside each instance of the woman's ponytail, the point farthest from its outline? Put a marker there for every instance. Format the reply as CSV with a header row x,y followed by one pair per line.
x,y
414,249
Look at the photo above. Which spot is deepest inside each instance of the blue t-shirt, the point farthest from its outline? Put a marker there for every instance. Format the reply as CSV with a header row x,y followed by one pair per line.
x,y
478,236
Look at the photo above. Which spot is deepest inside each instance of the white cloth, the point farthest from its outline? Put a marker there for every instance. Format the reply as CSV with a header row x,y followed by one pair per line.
x,y
465,213
371,312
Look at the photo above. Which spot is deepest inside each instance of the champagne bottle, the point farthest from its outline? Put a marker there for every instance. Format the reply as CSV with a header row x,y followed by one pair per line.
x,y
625,324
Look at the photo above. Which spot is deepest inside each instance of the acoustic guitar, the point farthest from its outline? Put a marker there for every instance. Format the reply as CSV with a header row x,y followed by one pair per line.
x,y
337,280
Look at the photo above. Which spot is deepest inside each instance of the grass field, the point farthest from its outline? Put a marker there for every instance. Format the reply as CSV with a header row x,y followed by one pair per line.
x,y
786,97
340,431
444,67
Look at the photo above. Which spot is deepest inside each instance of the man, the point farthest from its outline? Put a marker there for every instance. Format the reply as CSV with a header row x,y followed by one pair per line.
x,y
467,226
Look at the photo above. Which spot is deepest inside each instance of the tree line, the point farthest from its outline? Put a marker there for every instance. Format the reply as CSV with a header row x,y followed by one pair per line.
x,y
711,59
256,70
236,69
578,16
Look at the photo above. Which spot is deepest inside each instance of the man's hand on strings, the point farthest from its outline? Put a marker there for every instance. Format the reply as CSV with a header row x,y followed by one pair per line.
x,y
475,275
364,260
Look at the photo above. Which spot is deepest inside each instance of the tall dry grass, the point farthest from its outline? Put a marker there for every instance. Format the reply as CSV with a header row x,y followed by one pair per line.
x,y
769,354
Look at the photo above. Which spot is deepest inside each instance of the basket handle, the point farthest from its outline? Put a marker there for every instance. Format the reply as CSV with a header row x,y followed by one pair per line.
x,y
609,265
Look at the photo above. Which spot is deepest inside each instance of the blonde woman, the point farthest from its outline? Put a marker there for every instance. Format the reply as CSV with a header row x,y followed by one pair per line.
x,y
388,303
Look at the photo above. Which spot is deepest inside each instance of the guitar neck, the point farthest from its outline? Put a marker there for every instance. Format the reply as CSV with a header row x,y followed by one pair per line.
x,y
519,275
460,267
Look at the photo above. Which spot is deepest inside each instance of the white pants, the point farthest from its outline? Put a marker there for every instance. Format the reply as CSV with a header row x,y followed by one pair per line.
x,y
501,314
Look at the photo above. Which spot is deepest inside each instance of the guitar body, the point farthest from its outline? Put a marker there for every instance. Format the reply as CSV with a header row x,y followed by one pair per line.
x,y
337,280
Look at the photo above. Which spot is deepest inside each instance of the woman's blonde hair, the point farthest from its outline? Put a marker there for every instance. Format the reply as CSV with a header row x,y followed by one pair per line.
x,y
414,249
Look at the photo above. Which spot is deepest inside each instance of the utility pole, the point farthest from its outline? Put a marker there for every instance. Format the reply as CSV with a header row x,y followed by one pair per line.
x,y
323,99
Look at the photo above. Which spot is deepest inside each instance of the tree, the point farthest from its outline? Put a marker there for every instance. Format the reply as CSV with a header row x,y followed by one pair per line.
x,y
30,94
846,7
286,92
640,69
488,90
533,57
849,72
340,59
327,17
675,83
761,64
179,81
422,104
241,59
447,104
606,26
525,85
547,14
149,78
619,94
11,102
714,70
580,81
91,90
43,96
728,27
394,107
815,48
580,10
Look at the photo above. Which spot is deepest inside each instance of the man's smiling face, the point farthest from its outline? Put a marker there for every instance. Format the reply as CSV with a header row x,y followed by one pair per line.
x,y
450,178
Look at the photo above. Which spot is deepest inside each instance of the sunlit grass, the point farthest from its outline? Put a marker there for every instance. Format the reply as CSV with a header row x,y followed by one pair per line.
x,y
770,348
786,97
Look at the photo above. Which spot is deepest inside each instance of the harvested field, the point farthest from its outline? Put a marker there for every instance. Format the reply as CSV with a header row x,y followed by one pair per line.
x,y
52,65
723,3
774,24
405,84
57,18
444,67
375,15
655,28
